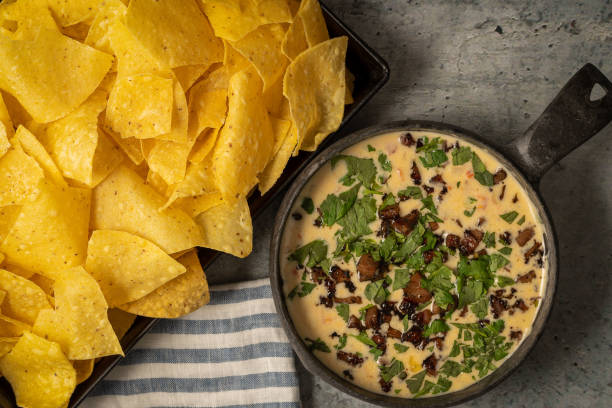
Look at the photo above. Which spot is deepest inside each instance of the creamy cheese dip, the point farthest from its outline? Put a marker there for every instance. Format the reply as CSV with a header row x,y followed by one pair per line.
x,y
419,279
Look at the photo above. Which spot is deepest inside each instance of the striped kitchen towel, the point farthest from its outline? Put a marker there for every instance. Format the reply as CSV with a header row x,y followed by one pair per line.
x,y
230,353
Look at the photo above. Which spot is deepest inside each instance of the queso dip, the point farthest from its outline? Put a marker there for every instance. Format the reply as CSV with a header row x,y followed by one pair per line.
x,y
413,264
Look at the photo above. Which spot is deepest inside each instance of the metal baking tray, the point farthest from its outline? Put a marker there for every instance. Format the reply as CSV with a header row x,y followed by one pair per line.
x,y
371,73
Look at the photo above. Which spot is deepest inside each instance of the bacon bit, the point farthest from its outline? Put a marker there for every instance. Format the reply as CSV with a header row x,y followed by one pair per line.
x,y
414,336
368,268
439,341
516,335
528,277
453,241
524,236
389,212
520,303
407,307
326,301
394,333
428,256
532,251
506,238
415,174
459,223
430,365
349,358
371,318
468,244
498,305
414,292
476,234
422,318
349,300
481,221
379,339
503,192
406,224
316,274
437,179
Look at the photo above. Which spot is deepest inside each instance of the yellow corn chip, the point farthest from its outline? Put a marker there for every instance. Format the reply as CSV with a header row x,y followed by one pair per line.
x,y
228,228
246,141
180,117
7,344
79,322
24,299
130,146
5,119
233,19
169,160
180,296
275,168
165,27
189,74
106,158
43,282
52,74
128,267
315,84
273,97
38,371
24,17
4,142
17,113
280,128
24,273
10,327
51,231
108,13
74,11
124,202
83,369
76,31
121,321
32,146
207,108
262,47
199,180
203,145
20,177
233,61
307,29
157,183
140,106
132,57
198,204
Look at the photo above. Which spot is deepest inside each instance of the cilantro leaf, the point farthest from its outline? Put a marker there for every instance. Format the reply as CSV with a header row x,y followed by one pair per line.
x,y
505,251
461,155
521,221
480,307
402,277
480,171
355,221
497,261
443,298
411,192
388,372
371,148
433,158
387,247
343,311
400,348
469,213
406,322
503,281
317,344
385,164
376,291
363,170
437,326
307,205
428,145
341,342
335,207
412,242
302,289
315,252
509,217
415,382
451,368
429,204
388,199
489,239
363,337
454,350
470,292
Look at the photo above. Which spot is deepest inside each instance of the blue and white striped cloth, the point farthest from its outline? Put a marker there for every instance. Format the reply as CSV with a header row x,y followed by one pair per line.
x,y
230,353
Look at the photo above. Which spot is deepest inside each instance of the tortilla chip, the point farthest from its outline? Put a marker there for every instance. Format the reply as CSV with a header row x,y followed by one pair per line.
x,y
198,204
132,57
180,296
315,85
169,160
24,273
25,16
99,35
128,267
203,145
7,344
140,106
79,322
174,31
43,282
157,183
307,29
121,321
130,145
52,74
273,97
275,168
106,158
180,117
32,146
19,177
189,74
262,48
24,299
5,145
234,19
10,327
39,373
199,180
74,11
5,119
124,202
228,228
51,231
83,369
246,141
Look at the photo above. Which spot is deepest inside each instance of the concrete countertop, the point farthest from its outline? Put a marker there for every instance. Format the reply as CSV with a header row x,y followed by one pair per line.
x,y
492,67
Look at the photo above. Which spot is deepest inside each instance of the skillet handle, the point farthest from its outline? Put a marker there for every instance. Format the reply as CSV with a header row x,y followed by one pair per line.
x,y
570,120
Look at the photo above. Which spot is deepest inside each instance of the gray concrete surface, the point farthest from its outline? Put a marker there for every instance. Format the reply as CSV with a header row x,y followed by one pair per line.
x,y
448,63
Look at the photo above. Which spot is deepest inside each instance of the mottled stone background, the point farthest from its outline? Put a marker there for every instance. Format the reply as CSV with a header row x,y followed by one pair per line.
x,y
493,66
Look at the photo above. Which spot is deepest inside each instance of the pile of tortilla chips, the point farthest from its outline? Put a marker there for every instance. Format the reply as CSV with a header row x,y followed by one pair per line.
x,y
132,133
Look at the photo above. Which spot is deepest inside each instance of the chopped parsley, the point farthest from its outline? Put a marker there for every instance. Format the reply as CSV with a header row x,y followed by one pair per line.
x,y
415,382
489,239
317,344
411,192
334,207
302,289
388,200
355,221
505,251
480,171
509,217
437,326
385,164
402,277
429,204
371,148
360,169
503,281
480,308
376,291
461,155
388,372
343,311
307,205
310,254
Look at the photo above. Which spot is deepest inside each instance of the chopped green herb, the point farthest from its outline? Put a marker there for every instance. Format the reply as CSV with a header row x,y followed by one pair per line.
x,y
317,344
388,372
363,337
497,261
437,326
429,204
302,289
343,311
387,247
388,199
360,169
406,322
307,205
509,217
400,348
503,281
472,199
423,306
385,164
412,242
376,291
451,368
355,222
480,171
461,155
433,158
415,382
469,213
521,220
397,390
505,251
334,207
371,148
480,308
362,311
458,184
455,350
411,192
310,254
341,342
489,239
402,277
428,145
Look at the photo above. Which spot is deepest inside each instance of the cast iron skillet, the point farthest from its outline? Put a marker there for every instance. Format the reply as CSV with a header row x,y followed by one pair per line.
x,y
570,120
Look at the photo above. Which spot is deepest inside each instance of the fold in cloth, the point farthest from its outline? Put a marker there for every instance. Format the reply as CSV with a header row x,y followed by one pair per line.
x,y
230,353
